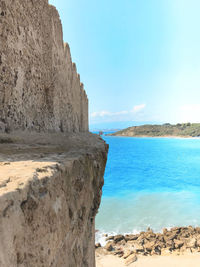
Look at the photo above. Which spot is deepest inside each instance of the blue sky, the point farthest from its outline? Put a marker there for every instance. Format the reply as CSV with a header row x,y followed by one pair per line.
x,y
138,59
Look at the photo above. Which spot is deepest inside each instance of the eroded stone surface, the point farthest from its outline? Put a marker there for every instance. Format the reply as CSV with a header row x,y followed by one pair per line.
x,y
39,86
50,190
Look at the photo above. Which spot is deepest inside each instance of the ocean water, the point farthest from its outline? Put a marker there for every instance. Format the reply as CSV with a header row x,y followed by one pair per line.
x,y
150,182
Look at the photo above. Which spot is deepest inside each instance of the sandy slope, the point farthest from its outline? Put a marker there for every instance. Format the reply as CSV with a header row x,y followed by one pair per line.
x,y
192,260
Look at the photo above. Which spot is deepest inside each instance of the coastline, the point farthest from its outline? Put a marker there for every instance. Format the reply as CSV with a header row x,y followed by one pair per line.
x,y
167,130
164,136
178,246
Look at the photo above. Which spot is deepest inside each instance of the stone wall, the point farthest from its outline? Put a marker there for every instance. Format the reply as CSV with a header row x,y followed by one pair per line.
x,y
40,89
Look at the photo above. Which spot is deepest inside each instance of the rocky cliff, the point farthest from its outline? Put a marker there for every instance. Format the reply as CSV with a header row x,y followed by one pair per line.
x,y
39,86
51,167
50,191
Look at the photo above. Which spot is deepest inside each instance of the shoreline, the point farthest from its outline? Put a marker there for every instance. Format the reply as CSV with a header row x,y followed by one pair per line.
x,y
123,250
164,136
166,130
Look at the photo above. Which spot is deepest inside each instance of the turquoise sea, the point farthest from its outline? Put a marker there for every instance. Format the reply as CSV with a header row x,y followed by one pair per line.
x,y
150,182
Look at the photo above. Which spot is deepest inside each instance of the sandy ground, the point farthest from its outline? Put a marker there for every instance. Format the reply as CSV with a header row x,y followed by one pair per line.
x,y
192,260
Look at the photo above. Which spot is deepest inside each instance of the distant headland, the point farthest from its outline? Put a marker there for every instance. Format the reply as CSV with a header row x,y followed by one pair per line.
x,y
164,130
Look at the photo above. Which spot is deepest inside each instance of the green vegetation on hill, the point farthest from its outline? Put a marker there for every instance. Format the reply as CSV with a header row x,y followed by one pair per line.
x,y
167,129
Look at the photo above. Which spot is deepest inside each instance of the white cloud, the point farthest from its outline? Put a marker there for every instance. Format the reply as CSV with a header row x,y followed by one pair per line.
x,y
105,113
100,114
138,108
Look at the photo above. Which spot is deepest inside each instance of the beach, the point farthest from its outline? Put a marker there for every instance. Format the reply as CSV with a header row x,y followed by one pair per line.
x,y
188,260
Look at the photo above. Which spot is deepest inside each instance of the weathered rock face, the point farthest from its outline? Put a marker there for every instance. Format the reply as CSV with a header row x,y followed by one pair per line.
x,y
50,191
39,86
50,184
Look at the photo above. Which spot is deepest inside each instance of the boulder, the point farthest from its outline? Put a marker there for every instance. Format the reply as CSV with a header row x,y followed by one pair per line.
x,y
131,237
178,243
160,237
191,243
150,235
97,245
197,230
118,238
110,238
198,242
157,250
109,246
128,253
170,236
176,230
160,244
132,258
170,244
149,246
138,248
165,231
141,240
